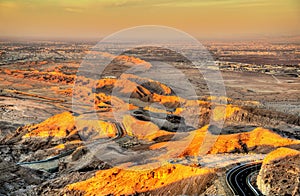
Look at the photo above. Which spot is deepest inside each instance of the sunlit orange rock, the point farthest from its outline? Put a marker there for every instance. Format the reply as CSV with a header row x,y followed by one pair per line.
x,y
223,112
152,85
50,76
144,130
280,153
184,144
65,125
192,144
257,137
59,125
132,61
106,84
168,101
120,60
167,179
122,87
66,92
111,103
95,129
7,71
63,146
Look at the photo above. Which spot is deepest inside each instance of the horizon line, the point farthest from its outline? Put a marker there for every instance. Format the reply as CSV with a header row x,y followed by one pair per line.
x,y
94,38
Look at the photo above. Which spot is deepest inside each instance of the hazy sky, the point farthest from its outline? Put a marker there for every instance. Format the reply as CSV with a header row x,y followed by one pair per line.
x,y
98,18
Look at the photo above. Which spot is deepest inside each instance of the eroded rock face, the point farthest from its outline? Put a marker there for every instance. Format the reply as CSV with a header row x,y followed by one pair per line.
x,y
231,143
17,180
168,179
280,173
53,76
114,132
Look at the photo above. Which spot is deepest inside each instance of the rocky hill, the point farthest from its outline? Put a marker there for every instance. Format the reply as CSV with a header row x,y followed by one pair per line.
x,y
123,142
280,173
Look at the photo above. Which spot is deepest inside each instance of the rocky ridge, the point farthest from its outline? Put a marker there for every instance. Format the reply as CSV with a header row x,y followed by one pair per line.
x,y
142,141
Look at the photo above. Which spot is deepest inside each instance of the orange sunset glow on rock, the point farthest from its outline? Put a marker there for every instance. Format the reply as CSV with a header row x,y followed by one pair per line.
x,y
136,97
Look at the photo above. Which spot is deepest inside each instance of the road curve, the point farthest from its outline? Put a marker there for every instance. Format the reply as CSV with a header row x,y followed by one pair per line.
x,y
51,164
238,179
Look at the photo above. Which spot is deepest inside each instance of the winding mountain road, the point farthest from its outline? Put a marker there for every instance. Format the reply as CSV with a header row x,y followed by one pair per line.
x,y
238,179
51,164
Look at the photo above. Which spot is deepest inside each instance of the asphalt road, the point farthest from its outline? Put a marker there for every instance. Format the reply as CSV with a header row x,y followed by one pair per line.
x,y
238,179
51,164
